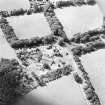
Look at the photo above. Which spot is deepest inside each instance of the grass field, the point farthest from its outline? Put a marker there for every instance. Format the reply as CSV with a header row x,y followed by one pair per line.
x,y
5,50
13,4
64,91
94,64
30,26
79,19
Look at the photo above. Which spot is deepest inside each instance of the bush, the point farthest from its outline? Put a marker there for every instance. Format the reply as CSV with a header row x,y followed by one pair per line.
x,y
91,2
77,50
77,78
46,66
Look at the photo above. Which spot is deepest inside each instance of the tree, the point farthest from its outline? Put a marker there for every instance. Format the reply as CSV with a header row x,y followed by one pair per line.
x,y
77,78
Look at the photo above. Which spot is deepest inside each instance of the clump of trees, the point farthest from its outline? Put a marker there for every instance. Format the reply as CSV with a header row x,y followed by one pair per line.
x,y
34,42
77,78
40,81
27,55
54,23
10,76
90,94
46,66
86,37
37,8
91,2
60,4
4,13
14,12
20,12
88,48
7,30
14,81
54,75
87,86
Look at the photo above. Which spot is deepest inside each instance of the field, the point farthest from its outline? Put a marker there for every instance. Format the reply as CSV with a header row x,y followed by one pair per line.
x,y
5,50
56,93
45,47
11,4
30,26
82,19
94,64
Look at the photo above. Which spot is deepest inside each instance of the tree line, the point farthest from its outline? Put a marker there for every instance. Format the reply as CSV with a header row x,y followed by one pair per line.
x,y
8,31
88,89
88,48
40,8
89,36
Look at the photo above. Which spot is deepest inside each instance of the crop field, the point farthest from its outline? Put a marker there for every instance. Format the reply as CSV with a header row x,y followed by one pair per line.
x,y
51,53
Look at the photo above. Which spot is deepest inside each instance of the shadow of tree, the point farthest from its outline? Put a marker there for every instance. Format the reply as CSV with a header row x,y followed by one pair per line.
x,y
32,100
